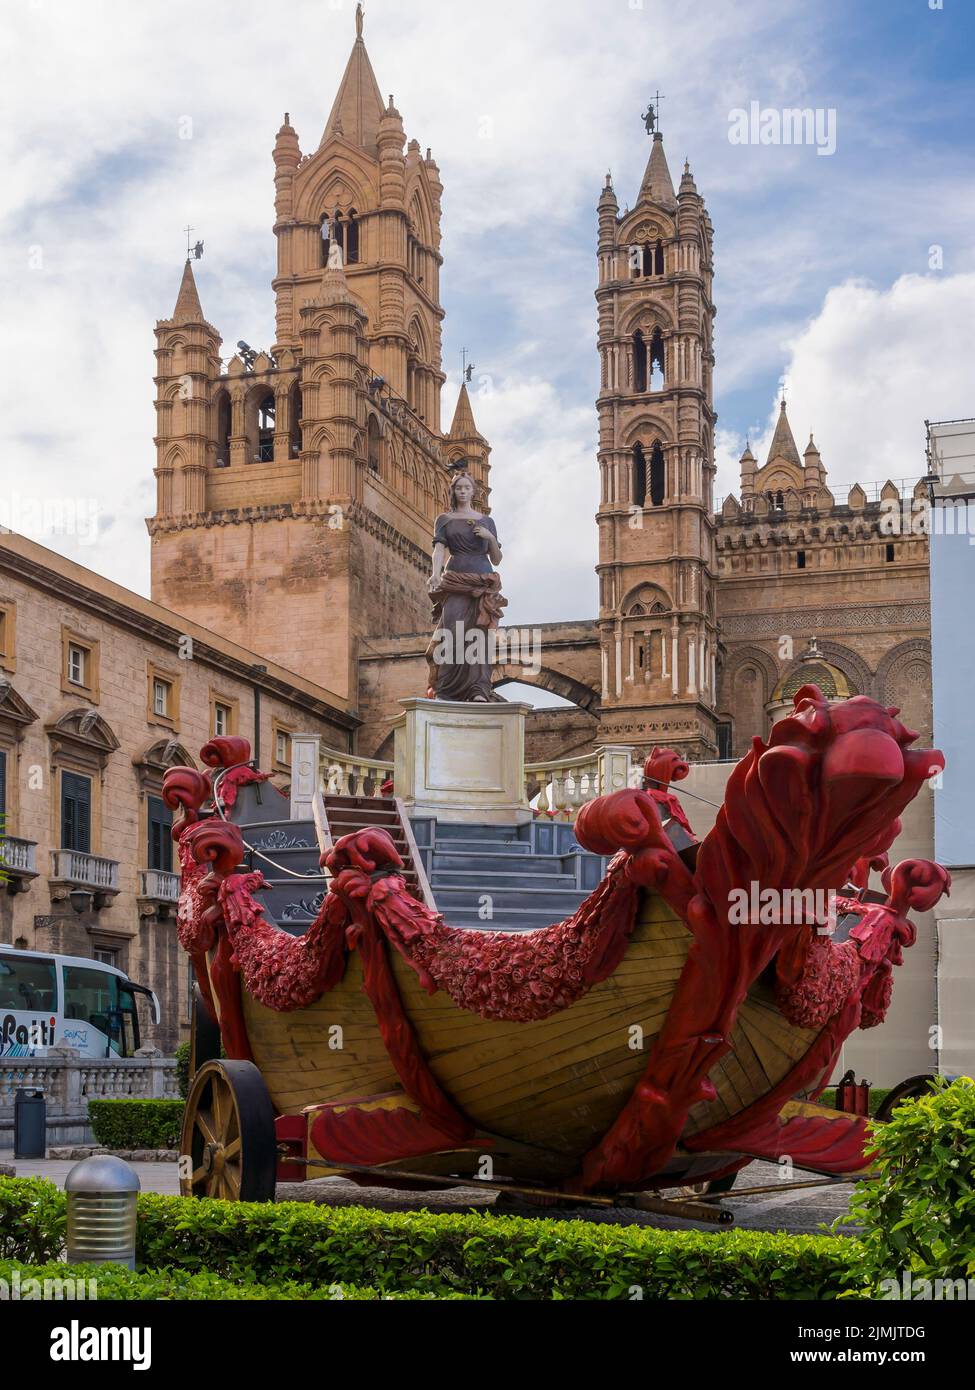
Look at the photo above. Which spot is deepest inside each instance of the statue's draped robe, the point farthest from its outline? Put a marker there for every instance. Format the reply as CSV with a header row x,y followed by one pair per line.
x,y
467,605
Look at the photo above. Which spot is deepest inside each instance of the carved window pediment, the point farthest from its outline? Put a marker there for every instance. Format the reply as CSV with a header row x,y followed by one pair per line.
x,y
152,765
84,732
14,709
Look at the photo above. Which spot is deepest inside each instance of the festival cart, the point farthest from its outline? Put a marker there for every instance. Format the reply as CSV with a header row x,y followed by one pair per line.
x,y
637,1053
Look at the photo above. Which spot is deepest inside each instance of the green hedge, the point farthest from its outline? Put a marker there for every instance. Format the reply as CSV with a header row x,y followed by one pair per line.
x,y
182,1055
474,1254
115,1282
136,1124
919,1218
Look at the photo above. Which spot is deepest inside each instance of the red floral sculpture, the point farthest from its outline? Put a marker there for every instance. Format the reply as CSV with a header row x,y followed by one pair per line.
x,y
665,765
814,809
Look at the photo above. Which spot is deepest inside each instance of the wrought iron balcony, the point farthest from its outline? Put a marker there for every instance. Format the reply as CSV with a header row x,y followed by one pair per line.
x,y
18,862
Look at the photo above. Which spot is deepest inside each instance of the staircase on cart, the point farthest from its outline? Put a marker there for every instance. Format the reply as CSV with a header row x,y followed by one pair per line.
x,y
487,877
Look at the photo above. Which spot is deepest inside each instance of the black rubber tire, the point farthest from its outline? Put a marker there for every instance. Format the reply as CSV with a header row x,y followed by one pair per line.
x,y
228,1147
912,1089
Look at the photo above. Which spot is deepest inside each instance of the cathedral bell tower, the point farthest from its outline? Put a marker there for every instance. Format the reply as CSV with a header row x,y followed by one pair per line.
x,y
298,485
656,565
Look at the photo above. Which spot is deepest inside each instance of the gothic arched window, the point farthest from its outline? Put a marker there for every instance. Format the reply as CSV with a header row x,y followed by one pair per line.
x,y
657,379
224,423
658,258
352,238
647,258
373,443
639,488
326,227
656,475
639,362
265,428
294,416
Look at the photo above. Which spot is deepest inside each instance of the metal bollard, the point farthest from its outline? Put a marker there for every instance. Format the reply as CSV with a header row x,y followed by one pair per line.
x,y
102,1192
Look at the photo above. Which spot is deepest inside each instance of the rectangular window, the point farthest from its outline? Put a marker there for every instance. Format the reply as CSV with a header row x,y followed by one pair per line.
x,y
160,697
8,636
282,747
76,812
221,720
800,559
890,554
160,847
27,983
77,664
107,955
3,791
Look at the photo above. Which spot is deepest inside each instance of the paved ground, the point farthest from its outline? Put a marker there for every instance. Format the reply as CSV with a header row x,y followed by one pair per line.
x,y
804,1211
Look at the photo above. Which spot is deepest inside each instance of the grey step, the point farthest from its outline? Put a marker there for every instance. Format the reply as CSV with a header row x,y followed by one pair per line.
x,y
489,864
481,846
503,834
480,882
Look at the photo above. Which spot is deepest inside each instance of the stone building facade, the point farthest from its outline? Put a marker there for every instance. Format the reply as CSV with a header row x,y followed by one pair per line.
x,y
101,692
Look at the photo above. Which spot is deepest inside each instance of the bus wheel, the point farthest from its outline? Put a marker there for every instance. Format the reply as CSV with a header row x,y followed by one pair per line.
x,y
204,1034
228,1147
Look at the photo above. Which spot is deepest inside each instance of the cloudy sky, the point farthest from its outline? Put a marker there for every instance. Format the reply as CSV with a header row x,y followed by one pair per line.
x,y
851,274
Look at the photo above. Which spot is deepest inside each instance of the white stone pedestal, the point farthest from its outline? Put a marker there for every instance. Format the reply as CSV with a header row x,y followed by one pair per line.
x,y
462,762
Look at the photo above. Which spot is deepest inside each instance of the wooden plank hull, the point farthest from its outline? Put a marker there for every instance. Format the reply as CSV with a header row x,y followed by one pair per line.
x,y
545,1092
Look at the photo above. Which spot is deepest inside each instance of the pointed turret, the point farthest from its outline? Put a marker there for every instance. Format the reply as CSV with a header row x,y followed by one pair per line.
x,y
358,106
466,444
783,444
687,184
188,307
463,426
658,186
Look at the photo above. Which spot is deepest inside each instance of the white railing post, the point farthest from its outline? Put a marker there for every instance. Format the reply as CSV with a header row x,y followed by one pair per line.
x,y
614,761
305,762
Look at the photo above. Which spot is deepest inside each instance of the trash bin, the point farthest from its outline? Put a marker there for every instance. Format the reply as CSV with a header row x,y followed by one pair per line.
x,y
30,1124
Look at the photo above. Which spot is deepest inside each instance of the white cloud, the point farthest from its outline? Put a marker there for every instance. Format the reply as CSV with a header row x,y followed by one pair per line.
x,y
867,371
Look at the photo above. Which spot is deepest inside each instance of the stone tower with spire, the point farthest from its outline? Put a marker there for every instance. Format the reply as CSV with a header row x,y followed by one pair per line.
x,y
298,485
656,566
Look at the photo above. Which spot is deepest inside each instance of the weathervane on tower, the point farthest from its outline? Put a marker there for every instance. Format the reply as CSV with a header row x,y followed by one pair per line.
x,y
651,117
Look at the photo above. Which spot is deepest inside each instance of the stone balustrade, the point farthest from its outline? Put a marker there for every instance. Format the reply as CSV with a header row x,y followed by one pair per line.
x,y
85,870
558,789
69,1082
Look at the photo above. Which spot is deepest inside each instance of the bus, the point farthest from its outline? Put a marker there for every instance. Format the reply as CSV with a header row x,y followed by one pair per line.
x,y
67,1001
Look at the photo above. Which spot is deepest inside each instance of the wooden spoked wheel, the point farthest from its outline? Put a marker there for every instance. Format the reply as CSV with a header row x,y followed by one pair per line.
x,y
228,1143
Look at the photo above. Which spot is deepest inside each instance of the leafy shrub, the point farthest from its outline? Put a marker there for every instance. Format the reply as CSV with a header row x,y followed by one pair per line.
x,y
919,1215
182,1055
136,1124
32,1220
114,1281
434,1255
504,1257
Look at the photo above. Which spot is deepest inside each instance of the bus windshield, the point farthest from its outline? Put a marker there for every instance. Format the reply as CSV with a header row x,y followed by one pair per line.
x,y
91,997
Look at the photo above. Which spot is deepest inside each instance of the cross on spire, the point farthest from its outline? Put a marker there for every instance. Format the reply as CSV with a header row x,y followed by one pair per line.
x,y
467,367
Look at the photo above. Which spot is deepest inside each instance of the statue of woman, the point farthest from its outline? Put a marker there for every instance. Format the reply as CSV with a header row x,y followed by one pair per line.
x,y
467,601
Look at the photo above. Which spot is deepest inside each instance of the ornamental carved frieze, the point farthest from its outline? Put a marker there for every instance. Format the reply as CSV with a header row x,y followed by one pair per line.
x,y
859,618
